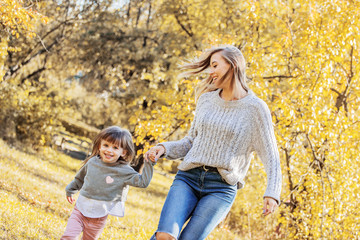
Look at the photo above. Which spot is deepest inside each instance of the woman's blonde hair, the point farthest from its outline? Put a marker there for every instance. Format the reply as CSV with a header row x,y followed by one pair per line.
x,y
118,136
236,71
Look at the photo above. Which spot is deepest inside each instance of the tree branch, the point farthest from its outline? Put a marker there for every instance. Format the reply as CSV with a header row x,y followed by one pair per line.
x,y
323,202
279,76
17,67
182,26
33,74
177,127
149,15
312,148
351,72
12,70
333,89
291,184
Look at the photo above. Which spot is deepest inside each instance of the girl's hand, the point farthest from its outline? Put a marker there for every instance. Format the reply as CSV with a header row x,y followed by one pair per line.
x,y
270,205
154,153
70,199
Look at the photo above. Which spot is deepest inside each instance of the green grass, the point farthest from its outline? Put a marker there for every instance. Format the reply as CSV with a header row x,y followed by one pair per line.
x,y
33,203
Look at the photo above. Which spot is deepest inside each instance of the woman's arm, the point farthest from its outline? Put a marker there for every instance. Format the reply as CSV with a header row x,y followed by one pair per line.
x,y
264,142
176,149
179,149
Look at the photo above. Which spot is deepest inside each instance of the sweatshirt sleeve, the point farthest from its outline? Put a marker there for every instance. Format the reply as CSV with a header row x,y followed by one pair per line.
x,y
265,146
135,179
78,181
179,149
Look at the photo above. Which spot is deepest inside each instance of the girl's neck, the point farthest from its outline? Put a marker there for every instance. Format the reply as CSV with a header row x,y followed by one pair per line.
x,y
227,94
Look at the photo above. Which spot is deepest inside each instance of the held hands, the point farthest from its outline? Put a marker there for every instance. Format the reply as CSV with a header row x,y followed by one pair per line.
x,y
70,199
270,205
154,153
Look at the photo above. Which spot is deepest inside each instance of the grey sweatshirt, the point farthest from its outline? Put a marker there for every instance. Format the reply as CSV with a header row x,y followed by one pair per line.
x,y
107,182
223,134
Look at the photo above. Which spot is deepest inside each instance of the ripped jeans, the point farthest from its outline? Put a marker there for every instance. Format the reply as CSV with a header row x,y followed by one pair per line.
x,y
199,195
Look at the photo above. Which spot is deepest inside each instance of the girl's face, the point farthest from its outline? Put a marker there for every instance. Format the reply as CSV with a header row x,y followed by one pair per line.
x,y
109,152
218,67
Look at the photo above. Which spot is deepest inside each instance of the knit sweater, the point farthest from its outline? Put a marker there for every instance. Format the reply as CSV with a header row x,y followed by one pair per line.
x,y
108,182
223,134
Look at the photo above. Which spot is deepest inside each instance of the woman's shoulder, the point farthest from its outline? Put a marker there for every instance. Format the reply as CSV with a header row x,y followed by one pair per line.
x,y
207,96
259,109
257,103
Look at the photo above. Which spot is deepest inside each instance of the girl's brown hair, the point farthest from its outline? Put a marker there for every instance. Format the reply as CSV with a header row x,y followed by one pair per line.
x,y
117,136
236,71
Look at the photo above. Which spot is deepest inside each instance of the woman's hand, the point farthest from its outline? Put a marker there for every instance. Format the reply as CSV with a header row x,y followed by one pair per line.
x,y
270,205
154,153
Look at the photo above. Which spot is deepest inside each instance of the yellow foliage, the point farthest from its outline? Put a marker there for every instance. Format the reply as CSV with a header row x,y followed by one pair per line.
x,y
15,20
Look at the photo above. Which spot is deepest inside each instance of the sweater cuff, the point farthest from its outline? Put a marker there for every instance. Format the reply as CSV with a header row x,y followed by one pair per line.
x,y
68,194
164,154
276,198
151,163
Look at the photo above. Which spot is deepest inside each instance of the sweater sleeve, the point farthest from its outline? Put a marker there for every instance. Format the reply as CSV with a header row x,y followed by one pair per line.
x,y
78,181
264,142
135,179
179,149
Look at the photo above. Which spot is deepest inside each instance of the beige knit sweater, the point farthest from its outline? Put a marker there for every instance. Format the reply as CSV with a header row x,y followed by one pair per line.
x,y
223,134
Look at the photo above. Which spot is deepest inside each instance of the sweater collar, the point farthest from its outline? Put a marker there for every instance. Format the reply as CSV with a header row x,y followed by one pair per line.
x,y
110,164
232,103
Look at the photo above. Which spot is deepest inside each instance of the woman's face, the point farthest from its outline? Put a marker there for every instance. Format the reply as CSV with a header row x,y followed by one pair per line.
x,y
218,67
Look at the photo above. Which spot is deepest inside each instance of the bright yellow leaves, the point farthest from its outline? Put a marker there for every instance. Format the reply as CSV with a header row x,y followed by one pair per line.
x,y
15,20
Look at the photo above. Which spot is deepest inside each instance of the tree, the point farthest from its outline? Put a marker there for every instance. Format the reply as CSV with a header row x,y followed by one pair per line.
x,y
17,17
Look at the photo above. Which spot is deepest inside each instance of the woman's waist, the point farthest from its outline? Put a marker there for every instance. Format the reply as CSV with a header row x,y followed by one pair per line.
x,y
207,162
232,171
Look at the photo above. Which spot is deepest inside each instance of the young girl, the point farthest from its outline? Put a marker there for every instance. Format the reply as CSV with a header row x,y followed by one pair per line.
x,y
103,181
230,123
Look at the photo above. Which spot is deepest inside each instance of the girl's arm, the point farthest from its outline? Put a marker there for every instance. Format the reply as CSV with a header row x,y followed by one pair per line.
x,y
135,179
77,183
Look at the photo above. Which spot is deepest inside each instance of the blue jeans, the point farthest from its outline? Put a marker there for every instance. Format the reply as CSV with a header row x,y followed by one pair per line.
x,y
201,196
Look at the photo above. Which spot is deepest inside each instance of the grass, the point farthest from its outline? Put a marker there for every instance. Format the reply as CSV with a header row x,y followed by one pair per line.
x,y
33,203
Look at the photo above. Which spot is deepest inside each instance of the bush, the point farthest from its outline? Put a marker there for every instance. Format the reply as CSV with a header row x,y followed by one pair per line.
x,y
27,114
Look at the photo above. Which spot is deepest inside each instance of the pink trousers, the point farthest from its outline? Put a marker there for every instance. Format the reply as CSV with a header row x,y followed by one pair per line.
x,y
77,223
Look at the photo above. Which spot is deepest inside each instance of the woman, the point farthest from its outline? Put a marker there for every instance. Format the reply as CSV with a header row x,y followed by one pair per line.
x,y
230,123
